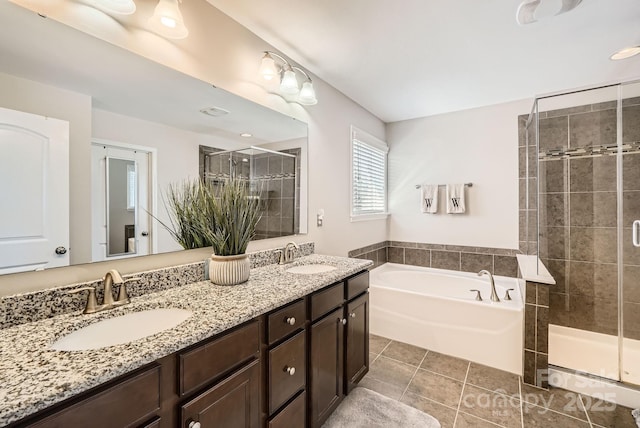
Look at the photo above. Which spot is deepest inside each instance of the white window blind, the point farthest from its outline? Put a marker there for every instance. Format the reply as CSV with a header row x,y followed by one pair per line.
x,y
368,174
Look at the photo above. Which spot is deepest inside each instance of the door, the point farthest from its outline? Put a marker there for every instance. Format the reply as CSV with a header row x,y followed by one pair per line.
x,y
326,366
121,198
630,234
356,362
34,212
231,403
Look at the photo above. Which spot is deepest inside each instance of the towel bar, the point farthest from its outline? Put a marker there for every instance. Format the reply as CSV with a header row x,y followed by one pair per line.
x,y
466,184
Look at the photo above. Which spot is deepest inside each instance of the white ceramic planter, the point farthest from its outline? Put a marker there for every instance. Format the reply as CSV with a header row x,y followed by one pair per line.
x,y
229,270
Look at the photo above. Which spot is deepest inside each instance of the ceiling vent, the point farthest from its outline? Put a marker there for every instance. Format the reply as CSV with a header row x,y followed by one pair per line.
x,y
214,111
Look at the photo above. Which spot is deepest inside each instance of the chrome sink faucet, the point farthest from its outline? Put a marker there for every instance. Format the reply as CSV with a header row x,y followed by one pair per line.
x,y
287,254
494,295
110,278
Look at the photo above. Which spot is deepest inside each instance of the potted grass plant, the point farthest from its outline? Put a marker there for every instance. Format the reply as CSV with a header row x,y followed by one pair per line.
x,y
223,216
235,212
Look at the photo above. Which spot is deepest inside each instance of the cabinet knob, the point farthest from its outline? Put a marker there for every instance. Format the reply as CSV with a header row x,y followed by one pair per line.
x,y
343,321
290,320
194,424
352,314
290,370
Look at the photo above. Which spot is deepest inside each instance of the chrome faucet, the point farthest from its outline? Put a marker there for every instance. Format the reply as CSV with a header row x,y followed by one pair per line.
x,y
494,295
110,278
287,254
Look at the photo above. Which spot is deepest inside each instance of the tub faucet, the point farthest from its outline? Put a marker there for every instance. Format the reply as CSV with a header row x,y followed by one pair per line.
x,y
494,295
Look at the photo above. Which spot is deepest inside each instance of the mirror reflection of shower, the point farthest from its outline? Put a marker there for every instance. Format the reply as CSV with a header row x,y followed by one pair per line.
x,y
274,177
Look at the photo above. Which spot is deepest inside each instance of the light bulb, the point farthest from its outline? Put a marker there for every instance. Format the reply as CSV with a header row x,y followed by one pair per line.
x,y
167,20
307,94
268,68
289,83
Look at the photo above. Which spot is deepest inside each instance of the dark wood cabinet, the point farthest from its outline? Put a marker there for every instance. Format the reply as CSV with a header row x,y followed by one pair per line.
x,y
126,402
231,403
326,358
356,355
288,368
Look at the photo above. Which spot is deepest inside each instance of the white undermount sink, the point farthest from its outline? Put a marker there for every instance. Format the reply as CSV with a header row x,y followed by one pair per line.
x,y
311,269
121,329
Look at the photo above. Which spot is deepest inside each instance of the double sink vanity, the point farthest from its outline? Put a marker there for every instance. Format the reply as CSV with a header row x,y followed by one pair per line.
x,y
280,350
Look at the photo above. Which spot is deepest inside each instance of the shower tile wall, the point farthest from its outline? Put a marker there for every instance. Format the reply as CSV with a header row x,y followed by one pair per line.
x,y
578,214
281,193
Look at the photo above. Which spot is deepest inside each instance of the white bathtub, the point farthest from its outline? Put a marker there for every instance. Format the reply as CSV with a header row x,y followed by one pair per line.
x,y
434,309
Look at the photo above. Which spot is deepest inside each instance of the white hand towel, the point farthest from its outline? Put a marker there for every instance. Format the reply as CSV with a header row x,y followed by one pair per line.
x,y
429,197
455,199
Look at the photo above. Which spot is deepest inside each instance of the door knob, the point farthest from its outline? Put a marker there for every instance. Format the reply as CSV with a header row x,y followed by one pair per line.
x,y
61,250
145,233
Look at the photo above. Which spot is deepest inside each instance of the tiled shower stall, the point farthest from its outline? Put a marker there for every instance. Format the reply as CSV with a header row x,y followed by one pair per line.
x,y
580,188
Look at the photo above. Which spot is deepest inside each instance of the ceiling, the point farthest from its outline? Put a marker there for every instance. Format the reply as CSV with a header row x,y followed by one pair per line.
x,y
414,58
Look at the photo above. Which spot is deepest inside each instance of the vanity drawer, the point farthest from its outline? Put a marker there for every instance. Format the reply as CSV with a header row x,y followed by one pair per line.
x,y
294,415
124,404
287,372
210,361
324,301
357,285
287,320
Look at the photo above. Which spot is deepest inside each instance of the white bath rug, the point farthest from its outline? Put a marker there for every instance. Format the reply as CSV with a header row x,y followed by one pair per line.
x,y
364,408
636,414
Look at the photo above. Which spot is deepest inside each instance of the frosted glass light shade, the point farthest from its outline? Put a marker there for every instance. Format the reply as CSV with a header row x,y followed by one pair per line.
x,y
167,20
119,7
268,69
307,94
289,83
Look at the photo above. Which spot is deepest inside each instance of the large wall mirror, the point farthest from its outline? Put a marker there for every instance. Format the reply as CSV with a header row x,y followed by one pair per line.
x,y
132,128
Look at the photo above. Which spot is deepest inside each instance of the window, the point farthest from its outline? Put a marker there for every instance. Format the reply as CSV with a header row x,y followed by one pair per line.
x,y
368,176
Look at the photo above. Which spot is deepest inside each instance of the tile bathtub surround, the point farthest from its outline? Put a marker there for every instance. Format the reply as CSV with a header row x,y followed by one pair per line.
x,y
453,257
34,377
28,307
461,394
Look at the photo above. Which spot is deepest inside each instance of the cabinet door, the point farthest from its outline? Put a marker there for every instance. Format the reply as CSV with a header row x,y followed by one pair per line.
x,y
356,362
232,403
326,366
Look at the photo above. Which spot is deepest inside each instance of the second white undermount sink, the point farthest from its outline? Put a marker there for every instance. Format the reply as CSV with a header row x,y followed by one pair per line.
x,y
311,269
121,329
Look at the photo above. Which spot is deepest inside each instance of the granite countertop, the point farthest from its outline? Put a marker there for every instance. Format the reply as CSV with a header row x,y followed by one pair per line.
x,y
33,377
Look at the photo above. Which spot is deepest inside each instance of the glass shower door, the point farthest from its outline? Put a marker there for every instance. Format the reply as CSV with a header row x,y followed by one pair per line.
x,y
630,233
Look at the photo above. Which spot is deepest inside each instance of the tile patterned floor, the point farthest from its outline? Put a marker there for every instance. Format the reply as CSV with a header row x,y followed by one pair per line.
x,y
463,394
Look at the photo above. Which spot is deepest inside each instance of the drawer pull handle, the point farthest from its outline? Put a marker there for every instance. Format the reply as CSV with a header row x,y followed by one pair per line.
x,y
194,424
290,320
352,314
290,370
343,321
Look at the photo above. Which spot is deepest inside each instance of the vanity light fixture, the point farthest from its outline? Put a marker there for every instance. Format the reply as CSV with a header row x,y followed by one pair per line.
x,y
118,7
269,70
626,53
167,20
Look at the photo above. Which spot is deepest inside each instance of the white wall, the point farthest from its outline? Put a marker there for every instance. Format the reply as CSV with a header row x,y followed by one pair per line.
x,y
479,146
